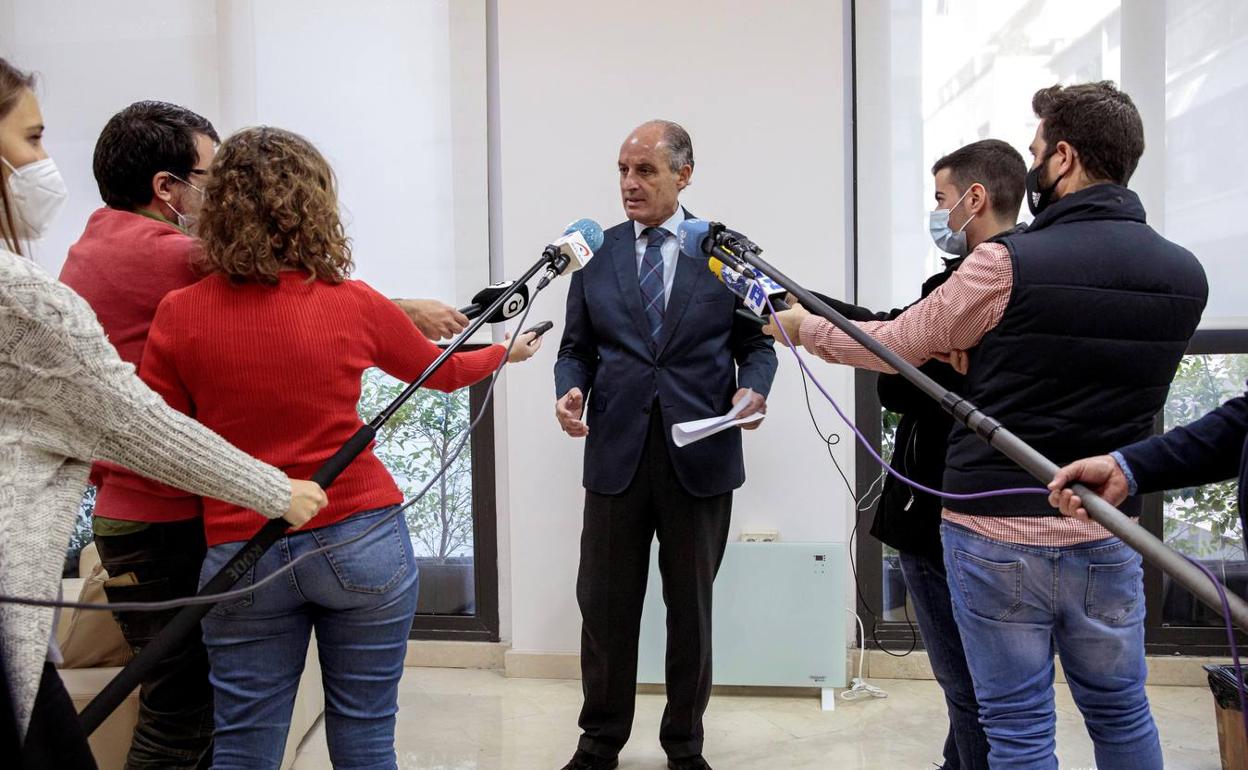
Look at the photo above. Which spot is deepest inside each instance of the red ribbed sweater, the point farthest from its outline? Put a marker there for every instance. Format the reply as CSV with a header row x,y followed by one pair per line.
x,y
276,371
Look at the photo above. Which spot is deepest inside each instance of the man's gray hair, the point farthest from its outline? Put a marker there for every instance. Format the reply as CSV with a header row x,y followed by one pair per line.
x,y
679,145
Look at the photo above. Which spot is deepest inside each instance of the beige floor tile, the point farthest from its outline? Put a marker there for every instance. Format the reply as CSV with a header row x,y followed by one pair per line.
x,y
463,719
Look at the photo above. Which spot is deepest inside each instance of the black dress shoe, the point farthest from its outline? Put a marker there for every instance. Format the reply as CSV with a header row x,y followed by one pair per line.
x,y
583,760
695,762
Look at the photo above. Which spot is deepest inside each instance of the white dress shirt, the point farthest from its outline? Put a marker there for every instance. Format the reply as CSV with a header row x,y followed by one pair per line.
x,y
670,249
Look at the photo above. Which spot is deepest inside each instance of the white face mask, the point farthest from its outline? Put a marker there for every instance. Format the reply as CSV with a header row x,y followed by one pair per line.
x,y
37,192
186,221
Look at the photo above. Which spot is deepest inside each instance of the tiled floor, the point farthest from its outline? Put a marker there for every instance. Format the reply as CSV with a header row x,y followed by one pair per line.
x,y
480,720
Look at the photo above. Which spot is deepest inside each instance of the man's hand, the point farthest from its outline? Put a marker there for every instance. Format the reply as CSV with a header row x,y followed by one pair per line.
x,y
960,360
790,320
568,411
757,404
1100,474
434,319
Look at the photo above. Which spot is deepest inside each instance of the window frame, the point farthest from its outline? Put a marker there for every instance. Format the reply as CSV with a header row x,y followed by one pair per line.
x,y
483,626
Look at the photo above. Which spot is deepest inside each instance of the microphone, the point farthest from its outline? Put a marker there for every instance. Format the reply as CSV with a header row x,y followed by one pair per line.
x,y
700,238
510,309
752,291
580,241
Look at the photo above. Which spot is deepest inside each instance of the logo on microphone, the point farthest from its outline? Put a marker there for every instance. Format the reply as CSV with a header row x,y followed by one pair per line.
x,y
515,303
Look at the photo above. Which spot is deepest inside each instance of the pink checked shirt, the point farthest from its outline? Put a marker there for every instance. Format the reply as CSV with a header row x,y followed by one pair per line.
x,y
955,316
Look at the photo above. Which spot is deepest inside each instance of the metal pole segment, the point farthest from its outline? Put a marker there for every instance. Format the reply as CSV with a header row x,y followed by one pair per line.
x,y
1000,438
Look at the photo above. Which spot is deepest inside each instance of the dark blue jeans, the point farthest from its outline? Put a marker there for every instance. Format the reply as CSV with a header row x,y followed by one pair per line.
x,y
966,747
1015,605
359,598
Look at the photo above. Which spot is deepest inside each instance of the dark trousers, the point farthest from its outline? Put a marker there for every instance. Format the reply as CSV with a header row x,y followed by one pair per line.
x,y
966,746
175,701
611,587
55,737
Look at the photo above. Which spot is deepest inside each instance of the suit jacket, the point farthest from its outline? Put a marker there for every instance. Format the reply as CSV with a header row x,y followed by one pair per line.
x,y
1214,448
705,352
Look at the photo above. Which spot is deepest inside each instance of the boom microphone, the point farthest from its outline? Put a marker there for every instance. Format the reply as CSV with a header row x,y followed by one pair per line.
x,y
573,250
514,305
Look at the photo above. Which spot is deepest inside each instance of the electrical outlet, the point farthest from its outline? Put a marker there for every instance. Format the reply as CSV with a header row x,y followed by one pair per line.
x,y
760,535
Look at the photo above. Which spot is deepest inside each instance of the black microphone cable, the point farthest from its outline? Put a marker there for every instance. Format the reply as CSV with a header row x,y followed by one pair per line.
x,y
830,440
239,593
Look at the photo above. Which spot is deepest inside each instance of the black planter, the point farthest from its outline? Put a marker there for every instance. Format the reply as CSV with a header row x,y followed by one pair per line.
x,y
447,587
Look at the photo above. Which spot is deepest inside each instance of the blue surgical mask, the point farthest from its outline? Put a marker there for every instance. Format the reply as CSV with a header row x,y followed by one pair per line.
x,y
946,239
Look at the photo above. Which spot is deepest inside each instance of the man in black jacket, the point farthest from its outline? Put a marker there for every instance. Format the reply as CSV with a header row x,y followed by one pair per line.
x,y
979,190
1214,448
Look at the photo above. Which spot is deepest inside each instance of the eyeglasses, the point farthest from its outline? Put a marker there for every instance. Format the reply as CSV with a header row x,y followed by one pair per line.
x,y
187,182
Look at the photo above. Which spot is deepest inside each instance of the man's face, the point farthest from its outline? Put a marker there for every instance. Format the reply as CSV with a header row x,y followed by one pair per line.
x,y
1039,153
947,197
648,186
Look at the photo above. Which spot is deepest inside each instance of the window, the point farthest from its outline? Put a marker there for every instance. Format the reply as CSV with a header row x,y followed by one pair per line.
x,y
454,519
1200,522
933,75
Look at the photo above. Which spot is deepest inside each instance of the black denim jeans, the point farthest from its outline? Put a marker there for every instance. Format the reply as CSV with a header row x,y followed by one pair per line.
x,y
175,701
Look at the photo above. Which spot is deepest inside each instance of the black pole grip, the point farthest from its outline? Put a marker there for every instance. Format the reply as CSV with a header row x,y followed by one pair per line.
x,y
332,468
187,620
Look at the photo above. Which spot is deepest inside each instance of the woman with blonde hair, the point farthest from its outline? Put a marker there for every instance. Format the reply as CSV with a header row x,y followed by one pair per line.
x,y
66,399
245,350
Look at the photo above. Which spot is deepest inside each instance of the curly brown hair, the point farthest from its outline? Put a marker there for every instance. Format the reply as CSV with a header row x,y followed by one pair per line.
x,y
271,204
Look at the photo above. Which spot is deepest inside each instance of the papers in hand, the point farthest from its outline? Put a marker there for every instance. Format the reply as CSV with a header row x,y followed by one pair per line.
x,y
686,433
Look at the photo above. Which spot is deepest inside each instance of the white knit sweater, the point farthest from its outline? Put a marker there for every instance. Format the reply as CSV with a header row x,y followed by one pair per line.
x,y
67,399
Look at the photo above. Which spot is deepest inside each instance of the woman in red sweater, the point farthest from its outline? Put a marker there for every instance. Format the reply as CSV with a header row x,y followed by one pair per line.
x,y
268,351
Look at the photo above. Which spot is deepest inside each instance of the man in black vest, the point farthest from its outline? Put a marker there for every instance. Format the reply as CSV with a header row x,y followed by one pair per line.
x,y
1075,329
978,190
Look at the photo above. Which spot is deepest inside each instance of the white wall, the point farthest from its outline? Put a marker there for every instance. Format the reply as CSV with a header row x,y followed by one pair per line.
x,y
392,92
94,58
760,86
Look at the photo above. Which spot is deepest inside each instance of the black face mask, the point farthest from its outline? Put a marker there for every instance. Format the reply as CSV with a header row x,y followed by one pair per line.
x,y
1038,196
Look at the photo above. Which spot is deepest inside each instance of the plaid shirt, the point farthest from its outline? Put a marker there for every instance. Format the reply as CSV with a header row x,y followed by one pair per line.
x,y
955,316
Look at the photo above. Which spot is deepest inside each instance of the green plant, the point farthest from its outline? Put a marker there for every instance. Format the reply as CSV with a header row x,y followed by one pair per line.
x,y
413,446
1204,521
82,534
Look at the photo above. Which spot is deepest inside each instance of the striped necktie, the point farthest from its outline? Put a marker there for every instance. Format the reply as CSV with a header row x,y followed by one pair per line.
x,y
650,276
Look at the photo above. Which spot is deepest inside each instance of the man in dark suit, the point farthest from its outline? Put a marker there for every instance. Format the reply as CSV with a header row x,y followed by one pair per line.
x,y
1214,448
651,339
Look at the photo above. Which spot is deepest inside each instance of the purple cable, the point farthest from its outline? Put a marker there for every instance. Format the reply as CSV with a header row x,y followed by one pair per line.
x,y
876,455
1230,639
1226,607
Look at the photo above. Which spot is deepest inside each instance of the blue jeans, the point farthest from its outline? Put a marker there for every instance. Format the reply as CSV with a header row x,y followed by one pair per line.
x,y
966,747
1014,605
359,598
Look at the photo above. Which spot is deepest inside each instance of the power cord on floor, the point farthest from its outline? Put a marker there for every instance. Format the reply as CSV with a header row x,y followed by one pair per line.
x,y
859,687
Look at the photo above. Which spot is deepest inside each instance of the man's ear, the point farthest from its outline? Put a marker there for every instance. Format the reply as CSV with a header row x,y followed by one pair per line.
x,y
1067,159
162,186
684,177
977,198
